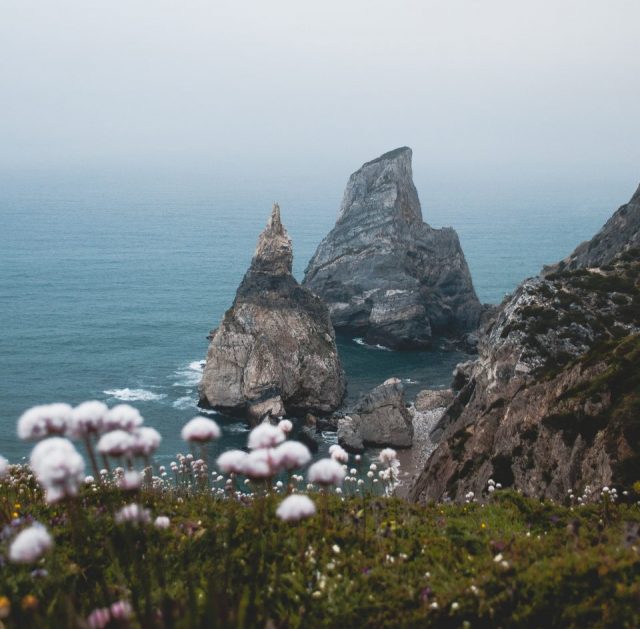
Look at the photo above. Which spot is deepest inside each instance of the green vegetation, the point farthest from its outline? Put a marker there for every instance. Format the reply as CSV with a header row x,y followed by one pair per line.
x,y
360,561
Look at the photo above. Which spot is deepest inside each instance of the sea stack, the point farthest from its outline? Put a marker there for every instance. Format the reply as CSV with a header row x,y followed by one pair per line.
x,y
384,273
274,352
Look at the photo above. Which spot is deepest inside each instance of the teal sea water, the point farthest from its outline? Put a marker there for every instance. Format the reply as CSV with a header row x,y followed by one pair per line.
x,y
109,285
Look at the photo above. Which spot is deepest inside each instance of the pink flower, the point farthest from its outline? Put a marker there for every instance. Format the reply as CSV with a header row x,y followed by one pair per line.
x,y
44,421
201,430
285,425
161,522
259,464
291,454
58,467
30,544
116,443
145,441
295,508
232,461
338,453
326,472
265,436
133,514
87,418
121,610
122,417
99,618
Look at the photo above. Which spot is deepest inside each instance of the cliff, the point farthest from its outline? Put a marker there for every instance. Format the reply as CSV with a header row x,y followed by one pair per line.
x,y
274,351
383,272
553,400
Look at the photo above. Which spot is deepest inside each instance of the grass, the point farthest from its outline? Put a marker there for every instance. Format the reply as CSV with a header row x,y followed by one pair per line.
x,y
365,561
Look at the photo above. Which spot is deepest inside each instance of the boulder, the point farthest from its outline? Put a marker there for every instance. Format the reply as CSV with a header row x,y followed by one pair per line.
x,y
380,419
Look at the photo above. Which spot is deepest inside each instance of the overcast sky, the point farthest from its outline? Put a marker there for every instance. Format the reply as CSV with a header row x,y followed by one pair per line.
x,y
542,87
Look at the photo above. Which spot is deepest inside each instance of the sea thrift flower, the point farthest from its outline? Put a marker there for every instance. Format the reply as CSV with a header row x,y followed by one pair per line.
x,y
291,454
130,481
265,436
326,472
121,610
87,418
285,425
133,514
295,508
58,468
116,443
43,421
99,618
4,467
161,522
338,453
200,430
122,417
259,464
232,461
145,441
30,544
388,456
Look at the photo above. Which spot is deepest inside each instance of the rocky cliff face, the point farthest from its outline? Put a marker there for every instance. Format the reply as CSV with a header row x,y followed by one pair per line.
x,y
621,232
553,400
275,350
383,272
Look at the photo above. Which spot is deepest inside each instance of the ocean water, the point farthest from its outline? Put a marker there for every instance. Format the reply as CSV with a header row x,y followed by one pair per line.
x,y
109,285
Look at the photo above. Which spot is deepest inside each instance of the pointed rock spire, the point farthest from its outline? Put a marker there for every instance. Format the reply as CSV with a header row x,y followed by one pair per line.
x,y
274,253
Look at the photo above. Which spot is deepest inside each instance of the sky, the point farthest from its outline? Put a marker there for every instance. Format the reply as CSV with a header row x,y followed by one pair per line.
x,y
535,90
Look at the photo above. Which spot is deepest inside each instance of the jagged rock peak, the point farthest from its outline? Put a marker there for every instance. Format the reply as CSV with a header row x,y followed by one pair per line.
x,y
274,253
386,181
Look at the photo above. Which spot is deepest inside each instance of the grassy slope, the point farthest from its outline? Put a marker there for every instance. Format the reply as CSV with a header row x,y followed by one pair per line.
x,y
225,564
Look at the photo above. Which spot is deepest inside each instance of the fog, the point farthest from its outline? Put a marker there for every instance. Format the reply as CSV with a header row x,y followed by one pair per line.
x,y
494,89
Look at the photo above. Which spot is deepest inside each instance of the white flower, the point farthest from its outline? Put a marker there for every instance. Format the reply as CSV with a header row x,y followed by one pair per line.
x,y
285,425
123,417
134,514
89,480
265,436
43,421
145,441
30,544
295,508
455,606
498,558
291,454
338,453
326,472
201,430
162,522
130,481
491,489
232,461
4,467
336,549
388,456
259,464
87,418
58,468
115,443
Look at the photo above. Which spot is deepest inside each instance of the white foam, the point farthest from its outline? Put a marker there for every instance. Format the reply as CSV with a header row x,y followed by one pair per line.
x,y
409,381
360,341
184,403
236,428
134,395
189,375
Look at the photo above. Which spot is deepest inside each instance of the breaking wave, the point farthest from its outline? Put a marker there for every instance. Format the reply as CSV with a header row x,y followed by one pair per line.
x,y
134,395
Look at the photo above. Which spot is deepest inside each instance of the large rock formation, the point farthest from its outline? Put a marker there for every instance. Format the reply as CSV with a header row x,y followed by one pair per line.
x,y
552,401
384,273
380,418
275,349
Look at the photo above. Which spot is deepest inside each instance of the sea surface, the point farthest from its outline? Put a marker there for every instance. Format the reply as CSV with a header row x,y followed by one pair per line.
x,y
109,284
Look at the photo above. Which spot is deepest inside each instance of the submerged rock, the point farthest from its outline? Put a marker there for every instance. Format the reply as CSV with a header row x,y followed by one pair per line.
x,y
384,273
274,352
380,418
